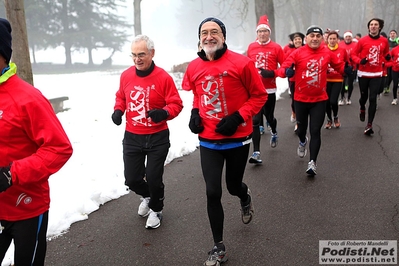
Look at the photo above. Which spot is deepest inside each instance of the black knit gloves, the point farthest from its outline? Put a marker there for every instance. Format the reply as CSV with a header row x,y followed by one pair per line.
x,y
5,178
195,123
117,117
157,115
229,124
290,72
267,73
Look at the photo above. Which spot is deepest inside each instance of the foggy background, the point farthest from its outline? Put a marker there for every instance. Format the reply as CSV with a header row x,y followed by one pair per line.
x,y
173,25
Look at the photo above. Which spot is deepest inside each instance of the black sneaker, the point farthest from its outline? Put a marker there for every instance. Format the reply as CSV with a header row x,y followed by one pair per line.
x,y
247,209
362,115
216,256
368,130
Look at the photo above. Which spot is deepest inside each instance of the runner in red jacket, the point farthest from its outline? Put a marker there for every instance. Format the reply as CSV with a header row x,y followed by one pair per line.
x,y
33,147
395,73
308,66
349,45
371,52
149,97
268,56
334,80
228,92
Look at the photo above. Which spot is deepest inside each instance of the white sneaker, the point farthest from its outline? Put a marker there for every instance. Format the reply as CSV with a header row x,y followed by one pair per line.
x,y
348,102
144,210
153,220
301,151
311,168
293,117
341,102
394,102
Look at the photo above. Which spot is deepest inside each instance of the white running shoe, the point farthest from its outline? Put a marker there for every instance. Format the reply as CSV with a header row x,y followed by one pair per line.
x,y
144,210
293,117
273,140
301,151
348,102
341,102
247,209
311,171
255,158
153,220
394,102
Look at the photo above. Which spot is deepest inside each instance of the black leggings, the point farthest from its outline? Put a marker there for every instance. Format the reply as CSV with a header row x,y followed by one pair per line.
x,y
316,113
333,90
348,80
268,111
395,81
212,163
369,89
29,239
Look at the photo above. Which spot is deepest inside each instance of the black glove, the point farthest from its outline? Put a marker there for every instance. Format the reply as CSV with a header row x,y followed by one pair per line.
x,y
388,57
5,178
363,61
229,124
117,117
195,124
348,69
290,72
158,115
267,73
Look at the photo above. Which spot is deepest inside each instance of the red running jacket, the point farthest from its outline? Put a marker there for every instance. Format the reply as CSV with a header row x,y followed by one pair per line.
x,y
33,140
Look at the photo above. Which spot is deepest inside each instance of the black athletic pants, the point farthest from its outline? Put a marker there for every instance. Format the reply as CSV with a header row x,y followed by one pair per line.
x,y
29,240
268,111
144,158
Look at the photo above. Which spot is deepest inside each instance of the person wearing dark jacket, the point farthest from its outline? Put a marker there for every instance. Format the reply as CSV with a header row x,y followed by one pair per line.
x,y
149,97
34,146
228,92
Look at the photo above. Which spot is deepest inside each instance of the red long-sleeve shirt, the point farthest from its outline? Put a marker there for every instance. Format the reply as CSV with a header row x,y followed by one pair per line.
x,y
266,56
374,49
138,95
311,72
223,86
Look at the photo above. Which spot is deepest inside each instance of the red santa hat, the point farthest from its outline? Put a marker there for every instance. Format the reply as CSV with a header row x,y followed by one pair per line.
x,y
263,23
348,33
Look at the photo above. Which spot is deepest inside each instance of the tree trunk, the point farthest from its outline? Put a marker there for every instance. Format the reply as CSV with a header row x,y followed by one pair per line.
x,y
137,17
16,15
266,7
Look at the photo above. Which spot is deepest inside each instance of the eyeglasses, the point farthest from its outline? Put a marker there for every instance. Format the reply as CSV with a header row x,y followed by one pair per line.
x,y
139,56
213,33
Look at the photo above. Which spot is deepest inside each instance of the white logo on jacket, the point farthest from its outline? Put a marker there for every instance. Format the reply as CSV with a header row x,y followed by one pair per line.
x,y
26,199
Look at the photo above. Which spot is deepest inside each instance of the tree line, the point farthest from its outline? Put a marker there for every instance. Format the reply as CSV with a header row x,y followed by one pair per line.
x,y
76,25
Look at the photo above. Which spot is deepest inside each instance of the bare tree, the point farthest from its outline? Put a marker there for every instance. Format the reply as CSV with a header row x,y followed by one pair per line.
x,y
16,15
137,16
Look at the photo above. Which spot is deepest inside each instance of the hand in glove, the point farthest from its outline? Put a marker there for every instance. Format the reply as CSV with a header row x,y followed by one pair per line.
x,y
267,73
229,124
388,57
290,72
5,178
348,69
158,115
195,124
117,117
363,61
